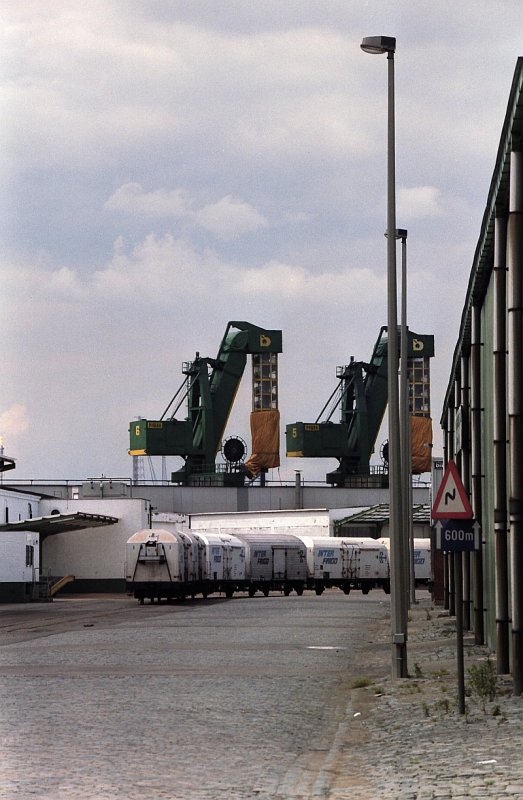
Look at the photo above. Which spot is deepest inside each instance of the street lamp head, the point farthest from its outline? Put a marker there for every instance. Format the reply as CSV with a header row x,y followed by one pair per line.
x,y
399,233
378,44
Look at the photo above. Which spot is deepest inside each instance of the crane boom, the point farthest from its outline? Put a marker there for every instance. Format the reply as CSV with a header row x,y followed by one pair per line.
x,y
211,385
362,392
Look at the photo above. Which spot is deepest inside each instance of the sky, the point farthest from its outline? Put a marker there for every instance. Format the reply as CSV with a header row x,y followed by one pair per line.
x,y
169,166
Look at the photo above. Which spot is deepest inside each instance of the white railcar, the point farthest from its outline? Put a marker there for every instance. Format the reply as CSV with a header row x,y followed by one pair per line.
x,y
174,564
331,562
177,564
274,562
374,566
156,564
221,563
422,561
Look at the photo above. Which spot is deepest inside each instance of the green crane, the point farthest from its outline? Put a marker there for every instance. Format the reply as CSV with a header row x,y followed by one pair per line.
x,y
209,388
361,395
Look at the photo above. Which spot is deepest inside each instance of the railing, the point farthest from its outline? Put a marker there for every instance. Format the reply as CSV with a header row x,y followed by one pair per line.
x,y
220,469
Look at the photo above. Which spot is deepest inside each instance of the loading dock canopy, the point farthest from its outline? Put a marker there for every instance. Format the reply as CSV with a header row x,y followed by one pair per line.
x,y
59,523
6,463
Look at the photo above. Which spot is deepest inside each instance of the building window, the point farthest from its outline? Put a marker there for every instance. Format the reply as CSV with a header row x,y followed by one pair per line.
x,y
29,555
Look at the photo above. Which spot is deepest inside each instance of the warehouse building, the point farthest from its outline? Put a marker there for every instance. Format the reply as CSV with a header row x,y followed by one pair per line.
x,y
47,543
482,417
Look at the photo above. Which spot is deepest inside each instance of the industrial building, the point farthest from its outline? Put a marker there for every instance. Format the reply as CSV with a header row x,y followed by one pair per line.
x,y
47,543
482,417
80,528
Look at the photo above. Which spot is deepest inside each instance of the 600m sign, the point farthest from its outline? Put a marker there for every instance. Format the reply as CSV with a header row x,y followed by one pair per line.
x,y
454,535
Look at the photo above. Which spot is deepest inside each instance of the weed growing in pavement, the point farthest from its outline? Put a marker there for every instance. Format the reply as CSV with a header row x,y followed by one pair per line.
x,y
417,670
443,705
413,688
360,683
426,709
428,614
483,682
440,673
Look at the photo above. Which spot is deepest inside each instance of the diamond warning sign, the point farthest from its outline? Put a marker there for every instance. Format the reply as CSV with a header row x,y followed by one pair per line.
x,y
451,500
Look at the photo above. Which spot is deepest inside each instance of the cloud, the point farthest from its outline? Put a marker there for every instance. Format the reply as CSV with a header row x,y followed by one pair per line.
x,y
167,268
419,201
169,168
229,218
131,198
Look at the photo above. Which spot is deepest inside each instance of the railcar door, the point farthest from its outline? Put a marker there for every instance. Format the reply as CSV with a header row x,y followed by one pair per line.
x,y
279,560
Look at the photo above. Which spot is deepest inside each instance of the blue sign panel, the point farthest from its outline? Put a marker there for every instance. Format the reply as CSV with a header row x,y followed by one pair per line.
x,y
458,535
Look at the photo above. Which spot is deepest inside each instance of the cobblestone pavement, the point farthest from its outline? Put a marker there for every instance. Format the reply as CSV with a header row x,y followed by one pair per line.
x,y
406,740
250,698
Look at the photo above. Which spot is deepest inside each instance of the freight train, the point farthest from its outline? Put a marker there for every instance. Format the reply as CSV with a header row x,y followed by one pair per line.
x,y
179,564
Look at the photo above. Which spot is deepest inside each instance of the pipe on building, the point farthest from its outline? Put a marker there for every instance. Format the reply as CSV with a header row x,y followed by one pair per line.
x,y
476,479
298,490
454,456
448,565
499,404
515,408
464,401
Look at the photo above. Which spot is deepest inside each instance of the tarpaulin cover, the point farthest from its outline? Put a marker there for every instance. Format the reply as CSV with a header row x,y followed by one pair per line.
x,y
265,434
421,428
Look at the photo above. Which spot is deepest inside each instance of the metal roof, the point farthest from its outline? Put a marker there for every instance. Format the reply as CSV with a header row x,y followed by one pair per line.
x,y
59,523
380,514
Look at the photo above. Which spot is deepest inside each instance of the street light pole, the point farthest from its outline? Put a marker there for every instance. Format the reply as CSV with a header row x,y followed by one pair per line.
x,y
379,45
405,427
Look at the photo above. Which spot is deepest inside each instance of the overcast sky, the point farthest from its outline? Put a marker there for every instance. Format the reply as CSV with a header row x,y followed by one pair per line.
x,y
168,166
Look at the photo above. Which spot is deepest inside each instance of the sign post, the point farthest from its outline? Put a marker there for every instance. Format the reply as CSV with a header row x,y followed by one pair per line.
x,y
456,532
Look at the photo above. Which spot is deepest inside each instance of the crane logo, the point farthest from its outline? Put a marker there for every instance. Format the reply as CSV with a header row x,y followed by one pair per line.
x,y
265,340
417,345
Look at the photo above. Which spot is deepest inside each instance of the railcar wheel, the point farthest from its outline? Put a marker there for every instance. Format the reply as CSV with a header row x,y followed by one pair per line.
x,y
319,590
265,591
299,591
252,591
287,591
